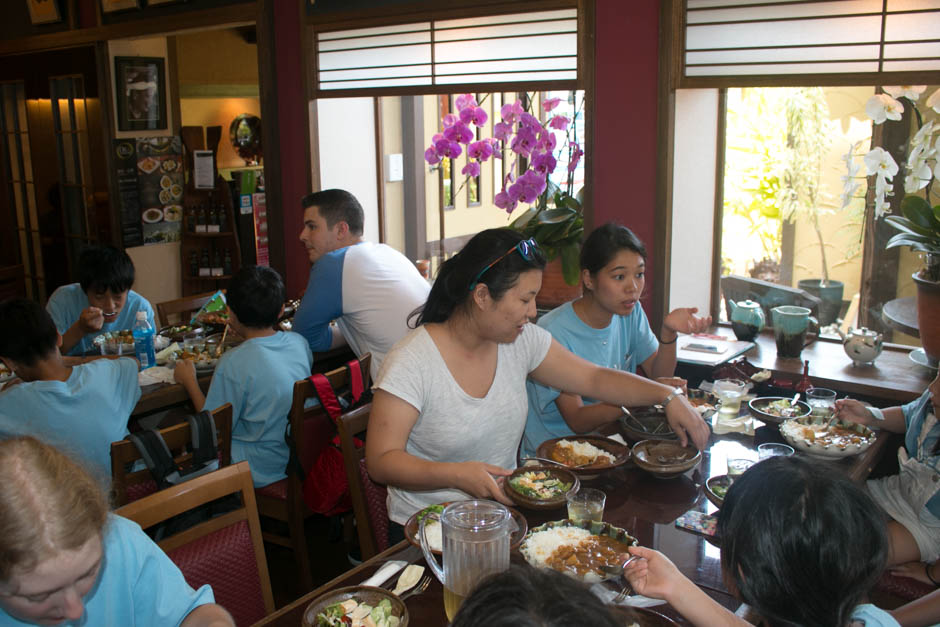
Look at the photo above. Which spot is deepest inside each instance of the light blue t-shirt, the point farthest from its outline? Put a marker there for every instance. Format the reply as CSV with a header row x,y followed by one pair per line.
x,y
871,616
138,585
82,415
626,343
67,303
257,378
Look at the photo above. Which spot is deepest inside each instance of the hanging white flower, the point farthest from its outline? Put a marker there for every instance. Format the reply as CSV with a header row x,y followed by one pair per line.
x,y
924,134
911,92
879,162
934,101
918,178
850,185
881,107
882,191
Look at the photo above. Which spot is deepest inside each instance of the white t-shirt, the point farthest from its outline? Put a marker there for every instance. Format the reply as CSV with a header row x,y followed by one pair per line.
x,y
453,426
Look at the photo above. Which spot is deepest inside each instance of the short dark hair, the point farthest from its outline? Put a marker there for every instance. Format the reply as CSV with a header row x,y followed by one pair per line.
x,y
27,332
603,244
103,268
451,288
337,205
800,541
529,597
256,294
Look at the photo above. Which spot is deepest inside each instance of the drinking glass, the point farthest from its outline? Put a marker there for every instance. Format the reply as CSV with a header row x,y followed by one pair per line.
x,y
774,449
737,467
586,504
729,391
822,401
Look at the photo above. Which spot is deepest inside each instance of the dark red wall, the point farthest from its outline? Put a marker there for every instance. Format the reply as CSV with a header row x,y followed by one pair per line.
x,y
624,153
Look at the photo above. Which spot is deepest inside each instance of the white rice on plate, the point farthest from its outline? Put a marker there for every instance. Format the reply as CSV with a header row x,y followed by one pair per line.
x,y
585,449
539,545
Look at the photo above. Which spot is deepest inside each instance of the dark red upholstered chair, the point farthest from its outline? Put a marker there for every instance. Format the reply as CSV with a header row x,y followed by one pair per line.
x,y
312,430
130,486
903,588
225,552
368,497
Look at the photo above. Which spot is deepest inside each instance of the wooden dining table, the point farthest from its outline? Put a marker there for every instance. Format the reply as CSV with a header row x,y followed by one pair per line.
x,y
646,506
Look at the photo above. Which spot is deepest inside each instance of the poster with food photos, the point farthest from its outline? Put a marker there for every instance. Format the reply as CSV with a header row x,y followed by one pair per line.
x,y
160,187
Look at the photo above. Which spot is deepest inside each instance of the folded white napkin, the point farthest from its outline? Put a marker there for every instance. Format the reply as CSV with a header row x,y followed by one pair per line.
x,y
157,374
617,438
384,573
607,595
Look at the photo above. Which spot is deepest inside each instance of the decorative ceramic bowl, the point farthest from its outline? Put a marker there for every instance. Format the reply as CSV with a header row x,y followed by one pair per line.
x,y
715,489
762,409
363,594
647,423
530,502
823,437
619,452
412,527
663,459
595,527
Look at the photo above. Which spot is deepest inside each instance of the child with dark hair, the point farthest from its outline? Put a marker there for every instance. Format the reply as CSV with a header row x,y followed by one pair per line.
x,y
528,597
257,377
81,409
800,543
606,326
101,301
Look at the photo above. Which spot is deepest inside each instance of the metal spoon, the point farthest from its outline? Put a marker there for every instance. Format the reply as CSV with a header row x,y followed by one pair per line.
x,y
796,397
616,571
552,461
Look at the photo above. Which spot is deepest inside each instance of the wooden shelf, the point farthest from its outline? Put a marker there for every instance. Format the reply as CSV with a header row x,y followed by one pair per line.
x,y
219,234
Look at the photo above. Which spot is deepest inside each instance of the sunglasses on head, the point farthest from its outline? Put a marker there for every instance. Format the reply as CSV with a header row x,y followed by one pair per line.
x,y
526,248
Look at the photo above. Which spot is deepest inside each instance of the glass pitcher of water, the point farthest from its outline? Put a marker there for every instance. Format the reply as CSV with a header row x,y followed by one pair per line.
x,y
475,545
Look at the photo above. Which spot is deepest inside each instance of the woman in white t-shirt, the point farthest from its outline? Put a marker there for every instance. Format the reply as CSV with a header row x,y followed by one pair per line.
x,y
450,402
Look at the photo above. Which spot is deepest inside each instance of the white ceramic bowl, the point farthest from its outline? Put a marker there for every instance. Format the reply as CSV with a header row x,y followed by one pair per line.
x,y
795,432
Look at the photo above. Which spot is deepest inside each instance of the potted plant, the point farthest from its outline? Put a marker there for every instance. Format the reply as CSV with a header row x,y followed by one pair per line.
x,y
555,218
919,222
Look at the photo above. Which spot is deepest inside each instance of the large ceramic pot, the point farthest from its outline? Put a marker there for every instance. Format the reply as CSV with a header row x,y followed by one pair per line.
x,y
928,316
831,296
554,290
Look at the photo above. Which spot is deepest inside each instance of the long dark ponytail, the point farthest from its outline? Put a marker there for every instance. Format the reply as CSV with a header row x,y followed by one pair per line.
x,y
452,287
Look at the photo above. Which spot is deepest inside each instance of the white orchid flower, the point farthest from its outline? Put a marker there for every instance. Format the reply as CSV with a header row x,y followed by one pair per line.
x,y
882,190
850,186
924,134
852,166
918,178
911,92
881,107
879,162
934,101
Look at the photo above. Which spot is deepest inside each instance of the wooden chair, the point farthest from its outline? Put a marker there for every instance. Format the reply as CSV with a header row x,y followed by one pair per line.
x,y
130,486
181,309
225,552
312,429
368,497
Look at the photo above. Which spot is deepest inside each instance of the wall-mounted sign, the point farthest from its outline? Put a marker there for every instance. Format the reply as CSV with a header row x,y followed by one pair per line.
x,y
140,87
204,169
43,11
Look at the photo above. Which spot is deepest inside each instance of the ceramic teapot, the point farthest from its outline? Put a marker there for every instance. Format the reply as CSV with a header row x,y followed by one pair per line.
x,y
861,345
747,319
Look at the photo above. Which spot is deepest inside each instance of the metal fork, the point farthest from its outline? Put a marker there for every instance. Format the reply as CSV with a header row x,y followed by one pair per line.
x,y
421,587
622,595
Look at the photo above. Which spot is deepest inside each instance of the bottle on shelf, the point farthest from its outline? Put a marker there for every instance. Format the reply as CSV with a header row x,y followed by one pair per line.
x,y
193,264
201,220
213,226
223,219
204,269
227,263
216,263
191,219
143,341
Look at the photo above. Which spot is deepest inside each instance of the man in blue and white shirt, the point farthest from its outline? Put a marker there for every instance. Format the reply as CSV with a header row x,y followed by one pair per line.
x,y
368,289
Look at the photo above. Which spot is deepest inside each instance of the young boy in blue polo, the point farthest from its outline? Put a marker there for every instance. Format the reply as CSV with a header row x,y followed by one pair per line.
x,y
257,377
80,409
101,301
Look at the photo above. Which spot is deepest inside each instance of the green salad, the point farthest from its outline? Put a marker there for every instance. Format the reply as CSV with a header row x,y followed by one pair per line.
x,y
354,613
430,509
539,485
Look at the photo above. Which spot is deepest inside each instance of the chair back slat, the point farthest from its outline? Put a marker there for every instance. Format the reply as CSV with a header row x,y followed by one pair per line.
x,y
181,310
368,497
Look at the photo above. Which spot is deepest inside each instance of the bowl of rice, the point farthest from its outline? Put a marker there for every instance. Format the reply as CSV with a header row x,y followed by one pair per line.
x,y
585,455
577,548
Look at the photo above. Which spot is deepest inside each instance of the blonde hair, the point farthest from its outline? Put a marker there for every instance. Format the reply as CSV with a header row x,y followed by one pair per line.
x,y
48,503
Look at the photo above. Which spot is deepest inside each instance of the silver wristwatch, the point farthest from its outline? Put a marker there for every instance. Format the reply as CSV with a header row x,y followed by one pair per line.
x,y
675,392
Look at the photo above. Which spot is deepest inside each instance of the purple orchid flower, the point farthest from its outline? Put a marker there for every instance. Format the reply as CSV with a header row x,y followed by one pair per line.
x,y
503,201
575,157
471,169
465,100
524,141
466,115
543,162
560,122
481,150
527,120
511,112
431,156
502,131
479,116
448,120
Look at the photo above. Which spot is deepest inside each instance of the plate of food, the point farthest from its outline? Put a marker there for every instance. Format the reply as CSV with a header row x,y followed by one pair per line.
x,y
716,488
166,182
664,459
703,401
176,332
641,617
168,165
115,342
173,213
776,409
827,437
204,358
646,423
5,373
176,191
148,164
540,487
152,215
579,549
433,527
356,606
585,455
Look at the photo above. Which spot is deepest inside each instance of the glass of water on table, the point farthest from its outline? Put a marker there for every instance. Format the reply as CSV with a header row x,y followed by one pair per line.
x,y
586,504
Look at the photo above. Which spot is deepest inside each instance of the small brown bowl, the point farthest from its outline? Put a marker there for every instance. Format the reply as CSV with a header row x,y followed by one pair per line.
x,y
664,459
363,594
529,502
710,493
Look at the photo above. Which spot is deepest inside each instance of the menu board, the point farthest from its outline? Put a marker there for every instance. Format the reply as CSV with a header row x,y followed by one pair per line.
x,y
160,188
125,163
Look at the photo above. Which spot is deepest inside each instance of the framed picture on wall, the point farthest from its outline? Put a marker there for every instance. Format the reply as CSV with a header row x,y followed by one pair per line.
x,y
43,11
140,87
111,6
151,3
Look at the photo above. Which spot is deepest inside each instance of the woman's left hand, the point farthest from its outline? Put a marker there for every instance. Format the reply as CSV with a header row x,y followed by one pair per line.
x,y
684,320
687,423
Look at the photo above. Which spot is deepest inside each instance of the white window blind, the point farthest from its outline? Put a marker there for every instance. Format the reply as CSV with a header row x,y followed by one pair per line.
x,y
767,37
538,46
